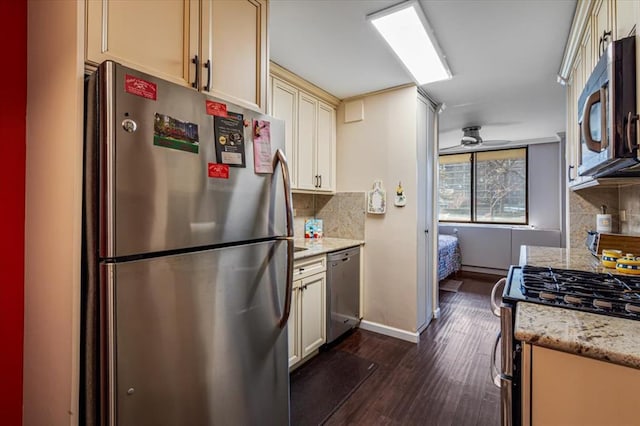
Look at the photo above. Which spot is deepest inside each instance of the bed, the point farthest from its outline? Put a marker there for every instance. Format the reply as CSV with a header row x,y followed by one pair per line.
x,y
449,258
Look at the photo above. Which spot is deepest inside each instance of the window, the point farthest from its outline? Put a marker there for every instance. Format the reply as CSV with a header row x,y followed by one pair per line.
x,y
484,187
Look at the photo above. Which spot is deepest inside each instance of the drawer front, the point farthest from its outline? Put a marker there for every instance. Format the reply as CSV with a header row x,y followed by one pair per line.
x,y
312,265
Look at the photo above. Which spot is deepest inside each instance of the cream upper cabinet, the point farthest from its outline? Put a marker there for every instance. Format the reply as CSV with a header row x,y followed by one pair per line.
x,y
316,145
234,51
219,47
573,131
326,147
627,14
307,127
156,37
284,105
310,122
602,25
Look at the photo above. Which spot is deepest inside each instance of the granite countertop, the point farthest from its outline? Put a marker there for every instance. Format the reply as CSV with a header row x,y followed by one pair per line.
x,y
596,336
601,337
316,246
574,258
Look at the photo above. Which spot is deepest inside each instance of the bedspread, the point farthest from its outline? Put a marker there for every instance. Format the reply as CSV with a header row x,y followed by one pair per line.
x,y
449,258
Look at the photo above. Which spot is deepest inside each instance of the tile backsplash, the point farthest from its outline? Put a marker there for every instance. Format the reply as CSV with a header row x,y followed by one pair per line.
x,y
585,204
343,214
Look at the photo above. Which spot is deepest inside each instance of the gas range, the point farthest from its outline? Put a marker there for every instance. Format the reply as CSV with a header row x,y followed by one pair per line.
x,y
607,294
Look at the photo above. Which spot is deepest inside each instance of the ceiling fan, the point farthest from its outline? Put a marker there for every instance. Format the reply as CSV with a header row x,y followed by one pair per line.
x,y
471,138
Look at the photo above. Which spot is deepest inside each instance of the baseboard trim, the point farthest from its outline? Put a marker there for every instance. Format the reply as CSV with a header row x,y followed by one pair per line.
x,y
408,336
436,313
483,270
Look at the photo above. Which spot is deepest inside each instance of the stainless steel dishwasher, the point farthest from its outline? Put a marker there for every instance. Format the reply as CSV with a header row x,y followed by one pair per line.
x,y
343,292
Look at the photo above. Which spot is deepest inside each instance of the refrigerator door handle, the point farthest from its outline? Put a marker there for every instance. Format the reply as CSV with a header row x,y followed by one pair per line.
x,y
281,159
496,376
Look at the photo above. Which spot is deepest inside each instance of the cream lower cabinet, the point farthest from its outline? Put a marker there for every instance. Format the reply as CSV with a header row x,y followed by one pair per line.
x,y
307,322
565,389
218,47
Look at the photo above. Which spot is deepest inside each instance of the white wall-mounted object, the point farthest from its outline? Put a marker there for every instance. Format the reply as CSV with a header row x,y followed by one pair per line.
x,y
354,111
400,199
377,199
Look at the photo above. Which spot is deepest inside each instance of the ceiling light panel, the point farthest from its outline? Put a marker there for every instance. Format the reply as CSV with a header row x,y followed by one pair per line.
x,y
405,29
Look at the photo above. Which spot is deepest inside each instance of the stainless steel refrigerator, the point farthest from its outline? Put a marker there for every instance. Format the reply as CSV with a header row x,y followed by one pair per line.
x,y
187,263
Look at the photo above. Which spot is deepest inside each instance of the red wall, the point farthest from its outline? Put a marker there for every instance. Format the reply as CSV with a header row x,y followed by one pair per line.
x,y
13,108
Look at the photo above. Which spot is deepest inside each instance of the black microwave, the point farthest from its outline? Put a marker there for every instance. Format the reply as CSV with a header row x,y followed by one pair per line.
x,y
607,115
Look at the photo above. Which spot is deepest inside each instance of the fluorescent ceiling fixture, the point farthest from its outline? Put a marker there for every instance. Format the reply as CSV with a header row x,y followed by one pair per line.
x,y
406,29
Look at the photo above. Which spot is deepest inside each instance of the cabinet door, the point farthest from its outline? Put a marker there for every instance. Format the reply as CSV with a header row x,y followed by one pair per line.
x,y
293,329
589,50
326,148
312,313
156,37
234,39
577,86
307,127
627,12
569,389
601,22
284,105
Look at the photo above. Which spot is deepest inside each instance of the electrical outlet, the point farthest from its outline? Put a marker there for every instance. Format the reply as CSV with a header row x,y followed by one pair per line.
x,y
623,215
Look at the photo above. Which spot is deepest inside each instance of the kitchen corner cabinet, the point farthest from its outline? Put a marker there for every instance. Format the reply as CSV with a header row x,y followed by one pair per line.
x,y
310,132
307,321
559,388
218,47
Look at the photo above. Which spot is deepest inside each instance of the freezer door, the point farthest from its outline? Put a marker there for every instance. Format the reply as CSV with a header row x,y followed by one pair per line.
x,y
160,186
195,338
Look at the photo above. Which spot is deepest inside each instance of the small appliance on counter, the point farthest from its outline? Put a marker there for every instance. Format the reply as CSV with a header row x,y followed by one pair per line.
x,y
596,242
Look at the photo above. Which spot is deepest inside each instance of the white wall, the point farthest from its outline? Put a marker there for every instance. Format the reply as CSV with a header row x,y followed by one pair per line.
x,y
545,185
53,212
383,146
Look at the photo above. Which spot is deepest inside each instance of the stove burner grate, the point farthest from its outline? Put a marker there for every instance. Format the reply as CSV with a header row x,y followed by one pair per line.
x,y
589,291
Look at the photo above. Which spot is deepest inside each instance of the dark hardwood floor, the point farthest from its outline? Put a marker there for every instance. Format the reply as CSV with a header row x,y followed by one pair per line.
x,y
444,380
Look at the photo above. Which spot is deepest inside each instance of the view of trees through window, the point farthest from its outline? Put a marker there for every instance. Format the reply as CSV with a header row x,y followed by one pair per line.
x,y
485,187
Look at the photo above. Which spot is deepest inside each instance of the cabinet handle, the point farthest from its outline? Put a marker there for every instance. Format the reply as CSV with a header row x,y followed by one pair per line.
x,y
320,186
603,40
207,65
569,173
631,119
499,286
196,61
495,373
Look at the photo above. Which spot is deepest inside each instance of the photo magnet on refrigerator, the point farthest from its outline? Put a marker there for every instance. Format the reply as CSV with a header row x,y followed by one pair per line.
x,y
229,138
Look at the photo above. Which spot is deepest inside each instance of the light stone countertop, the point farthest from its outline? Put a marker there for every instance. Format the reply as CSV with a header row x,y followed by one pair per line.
x,y
316,246
601,337
579,259
595,336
